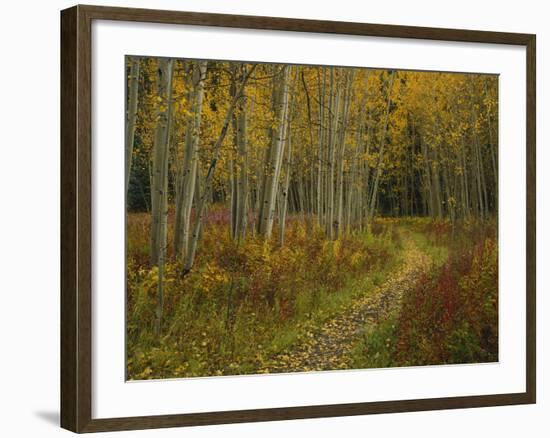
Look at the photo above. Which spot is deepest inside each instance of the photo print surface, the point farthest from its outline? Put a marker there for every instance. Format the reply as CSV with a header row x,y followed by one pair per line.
x,y
293,218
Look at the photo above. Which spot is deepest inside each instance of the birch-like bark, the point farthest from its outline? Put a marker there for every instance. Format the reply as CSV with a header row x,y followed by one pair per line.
x,y
239,166
355,180
437,183
341,154
367,171
187,72
201,205
381,148
267,209
159,192
322,89
242,213
283,198
131,113
492,147
476,156
334,110
233,197
308,198
190,162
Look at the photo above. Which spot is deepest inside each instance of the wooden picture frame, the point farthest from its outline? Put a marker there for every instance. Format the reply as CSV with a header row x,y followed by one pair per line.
x,y
76,217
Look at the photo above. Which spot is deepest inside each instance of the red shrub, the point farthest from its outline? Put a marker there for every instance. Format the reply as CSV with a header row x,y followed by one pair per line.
x,y
451,317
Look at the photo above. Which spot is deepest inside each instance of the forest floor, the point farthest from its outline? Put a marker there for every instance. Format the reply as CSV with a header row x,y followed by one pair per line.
x,y
330,346
406,293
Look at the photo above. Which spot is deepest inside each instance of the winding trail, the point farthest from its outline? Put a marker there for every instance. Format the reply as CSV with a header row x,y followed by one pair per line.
x,y
328,347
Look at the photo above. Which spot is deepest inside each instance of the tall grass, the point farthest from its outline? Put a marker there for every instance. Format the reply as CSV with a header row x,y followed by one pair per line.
x,y
244,301
451,314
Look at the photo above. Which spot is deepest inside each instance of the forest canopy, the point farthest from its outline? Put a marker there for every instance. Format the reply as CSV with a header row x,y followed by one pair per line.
x,y
428,138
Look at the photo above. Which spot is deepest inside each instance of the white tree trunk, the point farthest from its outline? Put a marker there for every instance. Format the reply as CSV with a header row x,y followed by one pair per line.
x,y
239,166
381,148
131,113
341,153
283,198
267,209
190,257
159,192
190,162
159,188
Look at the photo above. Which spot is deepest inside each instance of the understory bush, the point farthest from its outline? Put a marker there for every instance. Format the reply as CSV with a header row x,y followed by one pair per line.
x,y
241,298
450,315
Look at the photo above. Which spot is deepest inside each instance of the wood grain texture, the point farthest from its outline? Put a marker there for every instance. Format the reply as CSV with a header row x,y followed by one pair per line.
x,y
299,25
76,222
76,251
69,347
531,216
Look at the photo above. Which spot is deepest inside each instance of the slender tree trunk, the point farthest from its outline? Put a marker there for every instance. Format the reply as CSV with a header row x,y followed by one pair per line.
x,y
466,185
341,154
381,148
160,158
187,69
283,198
437,183
271,178
234,198
190,257
483,183
242,184
355,180
322,89
159,192
131,113
493,149
239,166
367,171
190,162
334,111
476,161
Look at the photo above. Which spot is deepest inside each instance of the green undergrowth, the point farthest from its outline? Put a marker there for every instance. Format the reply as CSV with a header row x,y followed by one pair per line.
x,y
246,303
450,314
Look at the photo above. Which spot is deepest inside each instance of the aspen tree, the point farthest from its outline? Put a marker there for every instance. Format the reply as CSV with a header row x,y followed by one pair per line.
x,y
159,192
274,157
131,113
239,166
283,197
190,257
348,79
334,111
320,197
190,161
381,148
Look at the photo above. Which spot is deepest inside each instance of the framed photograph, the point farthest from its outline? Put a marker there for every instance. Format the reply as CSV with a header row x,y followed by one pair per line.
x,y
270,218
